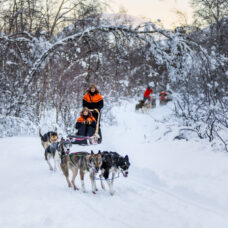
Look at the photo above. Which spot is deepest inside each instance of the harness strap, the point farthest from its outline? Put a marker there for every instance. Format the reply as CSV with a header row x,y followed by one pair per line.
x,y
72,161
80,155
98,178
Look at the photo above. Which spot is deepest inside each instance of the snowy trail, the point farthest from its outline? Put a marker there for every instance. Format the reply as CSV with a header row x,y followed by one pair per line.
x,y
171,183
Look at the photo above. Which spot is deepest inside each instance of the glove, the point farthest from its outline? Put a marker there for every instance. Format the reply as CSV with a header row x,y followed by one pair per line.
x,y
87,122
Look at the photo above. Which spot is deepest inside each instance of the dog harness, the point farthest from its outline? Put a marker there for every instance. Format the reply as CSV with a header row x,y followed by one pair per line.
x,y
79,154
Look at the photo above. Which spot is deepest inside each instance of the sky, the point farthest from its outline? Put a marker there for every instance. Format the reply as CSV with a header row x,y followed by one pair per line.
x,y
156,9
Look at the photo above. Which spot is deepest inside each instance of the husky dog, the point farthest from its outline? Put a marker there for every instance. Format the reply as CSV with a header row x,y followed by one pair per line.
x,y
82,162
55,151
143,105
146,107
113,163
48,138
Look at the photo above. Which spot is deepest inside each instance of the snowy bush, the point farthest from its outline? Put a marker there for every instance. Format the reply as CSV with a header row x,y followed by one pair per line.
x,y
14,126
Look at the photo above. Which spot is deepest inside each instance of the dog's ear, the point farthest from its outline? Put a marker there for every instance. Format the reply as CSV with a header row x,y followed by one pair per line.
x,y
92,152
126,157
99,153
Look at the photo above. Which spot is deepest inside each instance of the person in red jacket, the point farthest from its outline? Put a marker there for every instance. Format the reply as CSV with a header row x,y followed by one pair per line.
x,y
147,93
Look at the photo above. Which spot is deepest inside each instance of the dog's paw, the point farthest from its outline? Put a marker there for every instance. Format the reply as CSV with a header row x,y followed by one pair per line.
x,y
93,192
103,187
51,169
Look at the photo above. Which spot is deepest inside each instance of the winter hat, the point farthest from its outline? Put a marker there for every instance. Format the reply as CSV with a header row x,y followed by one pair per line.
x,y
92,86
85,109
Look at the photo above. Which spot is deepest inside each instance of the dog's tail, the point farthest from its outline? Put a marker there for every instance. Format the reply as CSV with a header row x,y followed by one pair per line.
x,y
41,136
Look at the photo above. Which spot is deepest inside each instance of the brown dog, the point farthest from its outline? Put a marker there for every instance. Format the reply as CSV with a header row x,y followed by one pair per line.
x,y
82,162
143,105
48,138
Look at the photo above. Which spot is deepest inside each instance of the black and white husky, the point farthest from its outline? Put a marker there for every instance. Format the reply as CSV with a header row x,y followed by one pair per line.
x,y
55,151
112,164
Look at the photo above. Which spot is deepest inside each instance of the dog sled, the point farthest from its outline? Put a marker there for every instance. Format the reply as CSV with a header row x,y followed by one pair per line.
x,y
84,140
87,140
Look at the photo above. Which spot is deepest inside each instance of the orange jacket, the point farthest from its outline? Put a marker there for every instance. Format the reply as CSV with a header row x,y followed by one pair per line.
x,y
163,95
94,101
90,119
81,122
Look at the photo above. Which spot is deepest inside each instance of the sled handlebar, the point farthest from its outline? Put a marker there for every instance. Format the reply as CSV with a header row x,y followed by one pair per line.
x,y
94,110
98,120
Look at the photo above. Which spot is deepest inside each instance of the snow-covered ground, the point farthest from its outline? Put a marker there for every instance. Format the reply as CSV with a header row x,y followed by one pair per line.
x,y
170,184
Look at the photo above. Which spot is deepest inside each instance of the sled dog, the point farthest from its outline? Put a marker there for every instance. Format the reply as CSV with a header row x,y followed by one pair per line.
x,y
55,151
143,105
82,162
48,138
113,163
146,107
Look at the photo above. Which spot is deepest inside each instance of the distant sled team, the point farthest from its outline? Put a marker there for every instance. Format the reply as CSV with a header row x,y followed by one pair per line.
x,y
149,102
106,164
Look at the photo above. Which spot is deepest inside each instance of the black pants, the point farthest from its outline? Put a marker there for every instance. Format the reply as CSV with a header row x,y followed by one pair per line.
x,y
86,130
146,99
